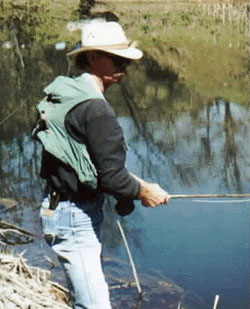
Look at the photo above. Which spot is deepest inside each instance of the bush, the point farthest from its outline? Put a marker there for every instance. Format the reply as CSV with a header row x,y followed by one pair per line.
x,y
28,19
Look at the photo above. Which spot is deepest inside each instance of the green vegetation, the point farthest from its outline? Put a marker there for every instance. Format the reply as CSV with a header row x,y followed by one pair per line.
x,y
204,44
27,20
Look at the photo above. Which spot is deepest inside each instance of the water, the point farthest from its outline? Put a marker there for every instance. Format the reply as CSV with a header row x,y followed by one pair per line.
x,y
185,144
203,245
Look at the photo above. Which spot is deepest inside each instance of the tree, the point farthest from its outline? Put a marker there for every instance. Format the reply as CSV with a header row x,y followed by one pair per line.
x,y
27,20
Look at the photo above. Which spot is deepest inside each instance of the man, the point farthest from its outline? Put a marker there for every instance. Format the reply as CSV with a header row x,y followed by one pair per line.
x,y
84,157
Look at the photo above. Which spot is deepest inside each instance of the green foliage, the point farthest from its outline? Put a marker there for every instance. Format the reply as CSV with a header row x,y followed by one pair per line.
x,y
147,17
85,7
183,38
146,23
28,19
186,19
145,28
205,22
166,20
218,20
209,52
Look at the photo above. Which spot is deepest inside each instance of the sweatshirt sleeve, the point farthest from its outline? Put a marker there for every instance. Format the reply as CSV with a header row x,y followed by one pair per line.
x,y
96,123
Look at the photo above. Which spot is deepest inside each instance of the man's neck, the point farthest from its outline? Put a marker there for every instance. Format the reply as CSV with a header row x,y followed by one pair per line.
x,y
99,82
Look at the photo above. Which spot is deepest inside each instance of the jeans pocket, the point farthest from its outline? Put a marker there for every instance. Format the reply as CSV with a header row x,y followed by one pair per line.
x,y
49,219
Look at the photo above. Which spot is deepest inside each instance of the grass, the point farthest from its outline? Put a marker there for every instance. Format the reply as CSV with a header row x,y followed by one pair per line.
x,y
208,56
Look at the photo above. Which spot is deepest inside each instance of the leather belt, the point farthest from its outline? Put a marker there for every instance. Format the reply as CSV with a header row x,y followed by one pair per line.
x,y
56,197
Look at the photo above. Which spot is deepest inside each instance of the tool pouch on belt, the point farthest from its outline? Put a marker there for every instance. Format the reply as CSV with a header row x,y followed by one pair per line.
x,y
54,200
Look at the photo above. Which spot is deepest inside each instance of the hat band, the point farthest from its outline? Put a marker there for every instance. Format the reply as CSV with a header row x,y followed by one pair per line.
x,y
113,46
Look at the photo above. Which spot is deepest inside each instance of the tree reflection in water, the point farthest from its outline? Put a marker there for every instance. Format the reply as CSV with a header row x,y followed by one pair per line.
x,y
232,171
179,123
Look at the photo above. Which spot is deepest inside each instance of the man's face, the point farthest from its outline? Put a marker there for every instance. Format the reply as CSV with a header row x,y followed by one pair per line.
x,y
109,68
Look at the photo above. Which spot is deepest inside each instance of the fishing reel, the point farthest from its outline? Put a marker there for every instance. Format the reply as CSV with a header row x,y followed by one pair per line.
x,y
124,206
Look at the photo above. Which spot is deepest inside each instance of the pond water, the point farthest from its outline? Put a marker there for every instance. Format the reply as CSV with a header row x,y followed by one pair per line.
x,y
187,144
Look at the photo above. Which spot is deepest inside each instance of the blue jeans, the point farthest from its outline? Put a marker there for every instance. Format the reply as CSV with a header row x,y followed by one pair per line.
x,y
72,230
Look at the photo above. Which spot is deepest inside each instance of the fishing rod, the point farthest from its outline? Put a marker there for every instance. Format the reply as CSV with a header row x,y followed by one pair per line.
x,y
179,196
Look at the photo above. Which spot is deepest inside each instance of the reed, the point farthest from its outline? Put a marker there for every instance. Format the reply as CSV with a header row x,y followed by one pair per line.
x,y
216,300
235,15
24,286
131,260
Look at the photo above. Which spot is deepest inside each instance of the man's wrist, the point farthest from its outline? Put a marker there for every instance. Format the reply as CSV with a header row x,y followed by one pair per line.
x,y
144,190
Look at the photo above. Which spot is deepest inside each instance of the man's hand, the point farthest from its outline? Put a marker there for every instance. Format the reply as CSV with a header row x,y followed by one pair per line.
x,y
151,194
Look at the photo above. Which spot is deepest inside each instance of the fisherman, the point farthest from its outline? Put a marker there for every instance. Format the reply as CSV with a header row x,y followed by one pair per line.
x,y
84,157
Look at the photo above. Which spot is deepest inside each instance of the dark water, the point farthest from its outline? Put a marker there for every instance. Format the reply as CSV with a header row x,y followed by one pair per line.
x,y
187,144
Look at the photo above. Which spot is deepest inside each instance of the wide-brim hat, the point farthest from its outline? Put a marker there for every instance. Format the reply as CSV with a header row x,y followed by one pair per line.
x,y
108,37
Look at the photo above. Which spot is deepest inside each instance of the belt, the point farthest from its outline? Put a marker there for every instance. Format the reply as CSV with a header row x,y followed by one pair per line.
x,y
56,197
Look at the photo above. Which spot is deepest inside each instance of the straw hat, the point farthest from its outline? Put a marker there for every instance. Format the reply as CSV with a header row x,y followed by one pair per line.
x,y
108,37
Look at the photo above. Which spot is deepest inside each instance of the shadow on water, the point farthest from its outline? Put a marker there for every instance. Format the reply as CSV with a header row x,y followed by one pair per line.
x,y
187,143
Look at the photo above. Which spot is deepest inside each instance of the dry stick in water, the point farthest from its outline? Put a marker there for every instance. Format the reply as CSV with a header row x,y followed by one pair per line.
x,y
7,225
130,259
216,300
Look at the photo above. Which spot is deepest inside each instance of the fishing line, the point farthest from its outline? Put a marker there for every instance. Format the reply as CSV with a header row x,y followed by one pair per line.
x,y
223,201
